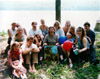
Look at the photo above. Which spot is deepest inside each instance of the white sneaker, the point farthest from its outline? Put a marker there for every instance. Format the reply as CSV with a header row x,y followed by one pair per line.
x,y
71,65
23,76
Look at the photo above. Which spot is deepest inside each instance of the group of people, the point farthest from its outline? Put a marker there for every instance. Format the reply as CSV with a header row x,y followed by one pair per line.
x,y
28,47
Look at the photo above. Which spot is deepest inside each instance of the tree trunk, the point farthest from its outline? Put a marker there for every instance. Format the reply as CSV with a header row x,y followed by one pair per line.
x,y
58,10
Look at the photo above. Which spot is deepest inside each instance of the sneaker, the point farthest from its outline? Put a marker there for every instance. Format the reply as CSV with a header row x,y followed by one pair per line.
x,y
71,65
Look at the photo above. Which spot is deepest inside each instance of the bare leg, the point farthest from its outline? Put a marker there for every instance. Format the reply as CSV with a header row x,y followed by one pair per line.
x,y
61,57
33,67
41,58
70,61
16,73
30,68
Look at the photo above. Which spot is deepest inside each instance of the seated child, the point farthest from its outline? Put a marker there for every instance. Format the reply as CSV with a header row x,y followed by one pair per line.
x,y
15,60
68,52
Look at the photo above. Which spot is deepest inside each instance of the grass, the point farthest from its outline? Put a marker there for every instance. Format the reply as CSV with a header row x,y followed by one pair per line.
x,y
53,70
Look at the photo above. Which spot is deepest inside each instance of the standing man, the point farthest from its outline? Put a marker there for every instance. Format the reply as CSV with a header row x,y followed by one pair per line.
x,y
11,32
91,35
66,27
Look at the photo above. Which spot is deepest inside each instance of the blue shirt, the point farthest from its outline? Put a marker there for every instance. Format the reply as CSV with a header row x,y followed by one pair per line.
x,y
91,35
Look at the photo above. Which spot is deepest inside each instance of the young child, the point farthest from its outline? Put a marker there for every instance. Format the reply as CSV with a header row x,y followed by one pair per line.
x,y
68,52
15,60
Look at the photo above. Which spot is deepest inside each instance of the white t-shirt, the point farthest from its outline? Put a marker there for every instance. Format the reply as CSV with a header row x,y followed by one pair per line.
x,y
12,31
24,46
32,32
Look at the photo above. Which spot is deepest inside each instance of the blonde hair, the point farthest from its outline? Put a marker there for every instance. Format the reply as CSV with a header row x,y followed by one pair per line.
x,y
19,29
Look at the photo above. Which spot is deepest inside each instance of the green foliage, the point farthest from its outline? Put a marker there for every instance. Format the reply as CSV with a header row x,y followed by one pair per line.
x,y
54,70
97,27
3,33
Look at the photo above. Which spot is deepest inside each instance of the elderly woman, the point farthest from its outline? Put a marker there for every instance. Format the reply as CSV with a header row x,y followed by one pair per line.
x,y
58,31
19,36
52,39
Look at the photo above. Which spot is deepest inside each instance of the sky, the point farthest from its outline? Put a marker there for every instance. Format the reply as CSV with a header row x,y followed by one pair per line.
x,y
49,5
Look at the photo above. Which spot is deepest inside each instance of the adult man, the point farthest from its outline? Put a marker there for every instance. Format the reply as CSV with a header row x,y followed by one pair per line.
x,y
67,26
34,30
11,32
91,35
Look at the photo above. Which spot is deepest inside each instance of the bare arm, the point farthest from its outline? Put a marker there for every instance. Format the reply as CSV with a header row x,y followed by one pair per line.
x,y
84,44
28,50
9,33
25,32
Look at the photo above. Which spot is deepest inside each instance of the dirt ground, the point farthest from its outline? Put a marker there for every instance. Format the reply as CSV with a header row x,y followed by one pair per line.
x,y
3,59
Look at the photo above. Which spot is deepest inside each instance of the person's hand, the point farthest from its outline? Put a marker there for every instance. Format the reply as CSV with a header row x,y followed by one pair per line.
x,y
40,47
32,49
79,51
44,44
57,43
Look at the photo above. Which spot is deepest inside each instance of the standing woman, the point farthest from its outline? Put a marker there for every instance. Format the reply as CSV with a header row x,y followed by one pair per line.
x,y
58,31
43,27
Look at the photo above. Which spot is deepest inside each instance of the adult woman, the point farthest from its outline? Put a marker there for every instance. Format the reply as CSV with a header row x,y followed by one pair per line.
x,y
19,36
73,37
52,39
58,31
30,49
83,45
43,27
18,25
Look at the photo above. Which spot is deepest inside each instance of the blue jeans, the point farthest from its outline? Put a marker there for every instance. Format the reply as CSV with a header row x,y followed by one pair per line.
x,y
92,52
